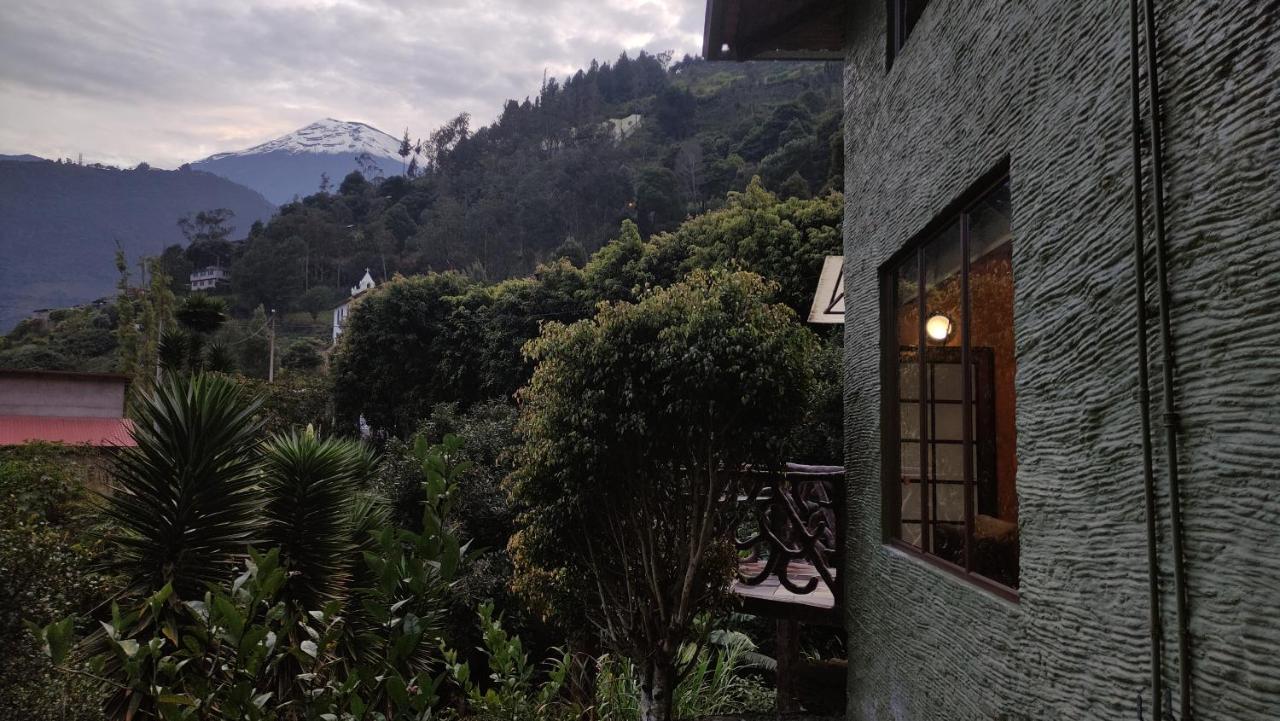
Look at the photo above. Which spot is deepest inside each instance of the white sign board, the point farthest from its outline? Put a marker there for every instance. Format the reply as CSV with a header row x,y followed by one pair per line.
x,y
828,302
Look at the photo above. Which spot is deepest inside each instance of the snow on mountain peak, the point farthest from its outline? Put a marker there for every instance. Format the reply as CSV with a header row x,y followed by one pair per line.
x,y
328,136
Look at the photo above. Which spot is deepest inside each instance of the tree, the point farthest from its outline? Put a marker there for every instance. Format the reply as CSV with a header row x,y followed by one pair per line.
x,y
405,149
127,336
675,108
318,299
157,317
636,427
251,345
208,237
302,355
689,169
202,314
185,348
659,205
395,358
175,264
353,184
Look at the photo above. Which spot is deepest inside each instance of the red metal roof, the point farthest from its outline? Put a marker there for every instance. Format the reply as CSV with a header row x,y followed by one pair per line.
x,y
16,430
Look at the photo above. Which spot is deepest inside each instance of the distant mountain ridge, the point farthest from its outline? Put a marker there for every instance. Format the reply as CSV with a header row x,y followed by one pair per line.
x,y
291,166
59,224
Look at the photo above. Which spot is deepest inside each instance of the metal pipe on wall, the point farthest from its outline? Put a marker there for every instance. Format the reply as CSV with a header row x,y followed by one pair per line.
x,y
1170,419
1170,415
1144,380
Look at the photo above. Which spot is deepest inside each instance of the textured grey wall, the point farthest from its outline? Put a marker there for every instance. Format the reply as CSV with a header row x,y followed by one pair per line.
x,y
1046,84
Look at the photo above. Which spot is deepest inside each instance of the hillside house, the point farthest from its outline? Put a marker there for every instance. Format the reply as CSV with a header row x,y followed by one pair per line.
x,y
341,312
210,279
1061,377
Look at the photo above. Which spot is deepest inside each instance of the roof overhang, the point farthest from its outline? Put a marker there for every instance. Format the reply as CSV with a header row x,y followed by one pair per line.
x,y
99,432
774,30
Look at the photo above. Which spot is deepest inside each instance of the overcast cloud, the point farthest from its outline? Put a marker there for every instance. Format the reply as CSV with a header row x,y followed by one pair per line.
x,y
170,81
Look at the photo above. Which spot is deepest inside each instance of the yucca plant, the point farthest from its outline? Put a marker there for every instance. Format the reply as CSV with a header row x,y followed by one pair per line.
x,y
309,484
183,501
361,641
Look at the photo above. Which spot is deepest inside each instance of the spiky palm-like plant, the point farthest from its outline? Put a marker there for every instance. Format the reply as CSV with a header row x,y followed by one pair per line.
x,y
309,484
202,314
183,501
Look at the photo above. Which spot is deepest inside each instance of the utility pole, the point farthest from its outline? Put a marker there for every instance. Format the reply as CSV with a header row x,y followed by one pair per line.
x,y
271,353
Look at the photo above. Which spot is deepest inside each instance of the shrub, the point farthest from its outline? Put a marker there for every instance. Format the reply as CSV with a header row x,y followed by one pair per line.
x,y
302,355
340,616
717,678
47,554
514,689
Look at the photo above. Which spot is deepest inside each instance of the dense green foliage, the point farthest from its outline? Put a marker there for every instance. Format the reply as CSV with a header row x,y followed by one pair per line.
x,y
641,139
635,426
515,690
82,338
48,551
419,341
343,612
716,678
554,176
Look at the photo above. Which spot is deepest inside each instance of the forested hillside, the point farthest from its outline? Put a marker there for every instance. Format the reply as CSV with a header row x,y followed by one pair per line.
x,y
60,224
554,177
640,138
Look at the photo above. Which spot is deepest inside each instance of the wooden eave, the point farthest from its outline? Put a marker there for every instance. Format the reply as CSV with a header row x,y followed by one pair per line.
x,y
774,30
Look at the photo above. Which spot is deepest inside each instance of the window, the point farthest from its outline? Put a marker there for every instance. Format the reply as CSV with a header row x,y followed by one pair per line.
x,y
950,453
903,16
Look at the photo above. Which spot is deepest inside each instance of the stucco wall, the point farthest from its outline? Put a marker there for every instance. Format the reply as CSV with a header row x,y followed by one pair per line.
x,y
57,394
1046,84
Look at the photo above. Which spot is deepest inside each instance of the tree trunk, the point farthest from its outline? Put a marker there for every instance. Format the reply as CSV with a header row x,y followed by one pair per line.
x,y
656,687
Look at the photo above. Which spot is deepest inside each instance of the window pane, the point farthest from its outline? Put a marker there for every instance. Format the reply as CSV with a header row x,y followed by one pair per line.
x,y
906,325
945,462
995,548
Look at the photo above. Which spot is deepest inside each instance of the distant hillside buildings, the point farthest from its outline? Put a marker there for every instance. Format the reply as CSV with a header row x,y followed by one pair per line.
x,y
210,278
340,313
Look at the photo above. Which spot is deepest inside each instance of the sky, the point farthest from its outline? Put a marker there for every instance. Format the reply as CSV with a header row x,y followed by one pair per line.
x,y
172,81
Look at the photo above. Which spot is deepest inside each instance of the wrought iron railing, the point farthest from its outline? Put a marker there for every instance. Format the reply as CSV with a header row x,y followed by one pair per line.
x,y
794,529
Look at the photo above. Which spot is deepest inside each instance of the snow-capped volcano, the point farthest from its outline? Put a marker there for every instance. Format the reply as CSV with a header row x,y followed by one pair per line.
x,y
327,136
291,165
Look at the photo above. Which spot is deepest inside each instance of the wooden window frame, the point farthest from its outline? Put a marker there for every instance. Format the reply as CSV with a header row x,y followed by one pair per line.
x,y
890,407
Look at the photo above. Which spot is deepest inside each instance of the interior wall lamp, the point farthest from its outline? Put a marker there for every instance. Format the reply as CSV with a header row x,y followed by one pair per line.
x,y
939,327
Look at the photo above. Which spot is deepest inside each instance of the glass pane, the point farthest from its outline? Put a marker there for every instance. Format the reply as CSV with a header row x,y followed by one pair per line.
x,y
942,258
949,499
947,423
946,376
948,462
909,423
906,319
911,461
995,547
